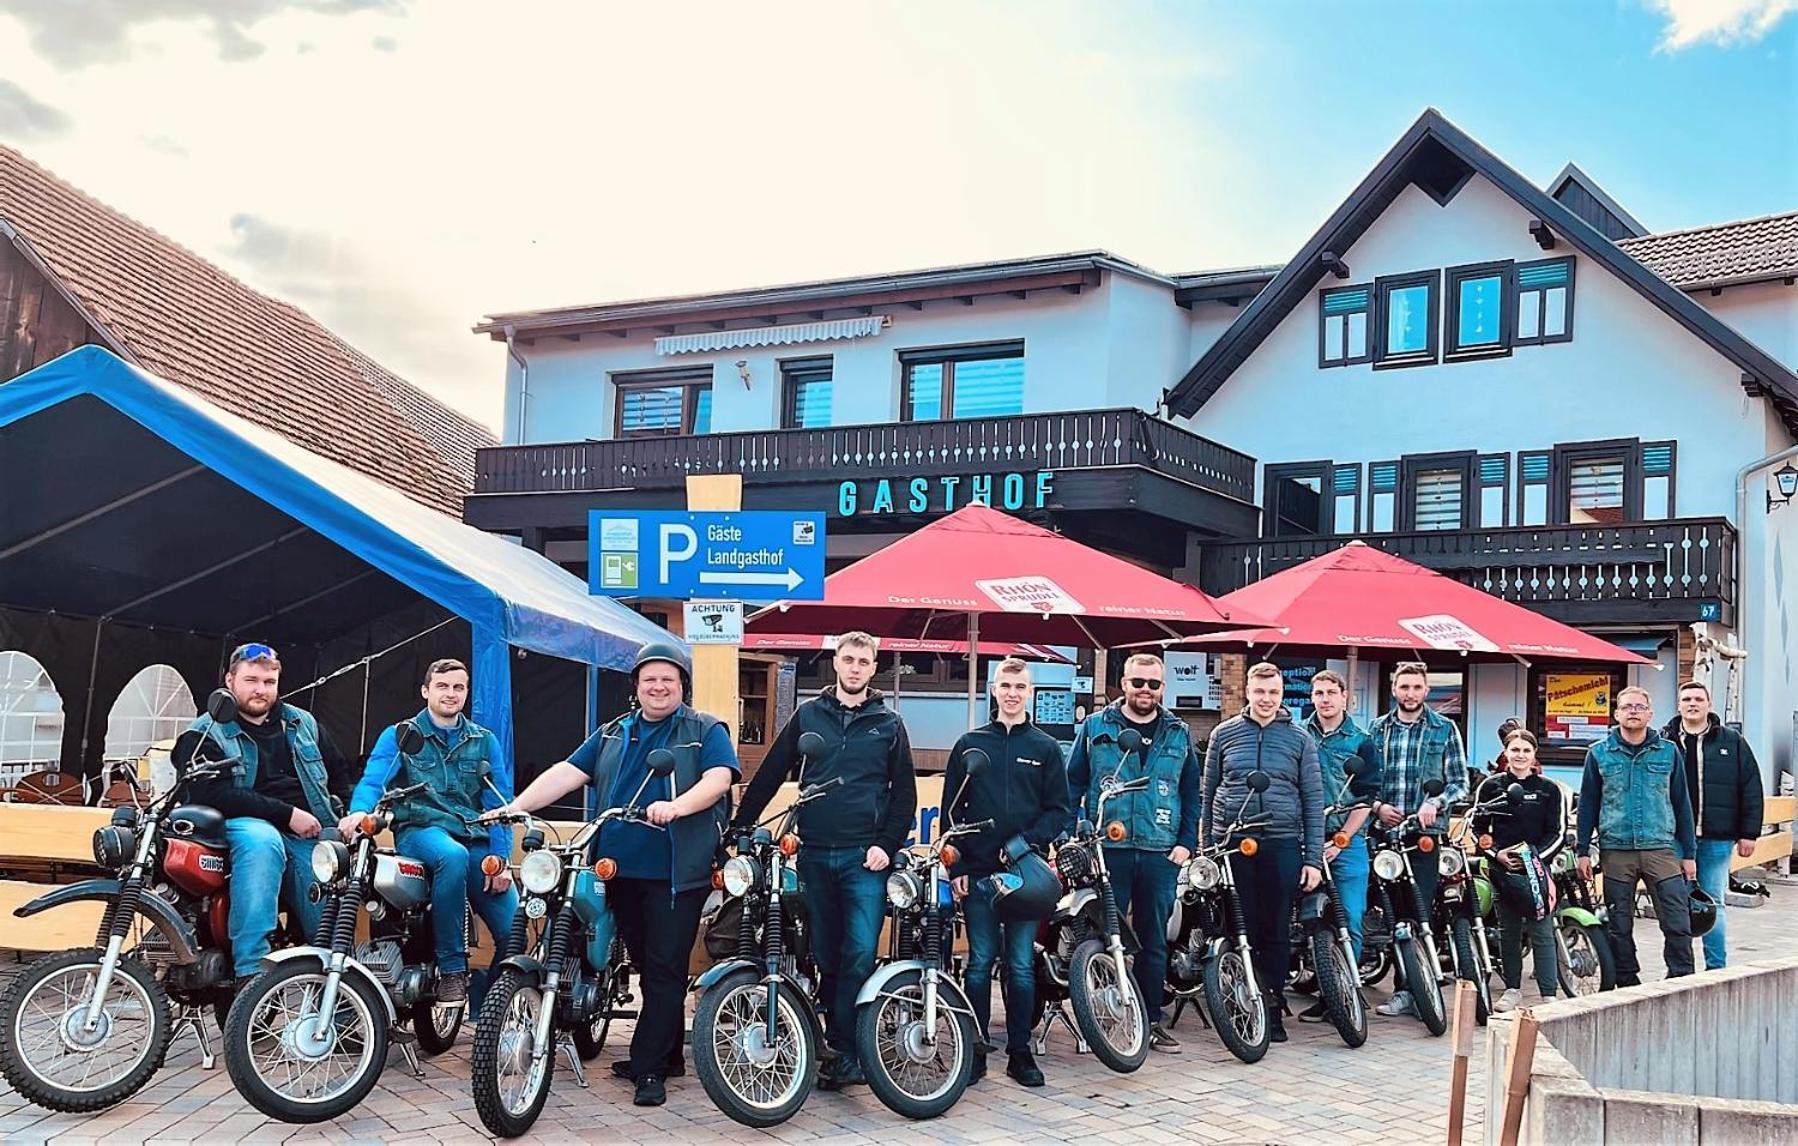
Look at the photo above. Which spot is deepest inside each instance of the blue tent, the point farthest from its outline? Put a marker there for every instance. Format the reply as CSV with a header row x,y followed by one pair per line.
x,y
130,499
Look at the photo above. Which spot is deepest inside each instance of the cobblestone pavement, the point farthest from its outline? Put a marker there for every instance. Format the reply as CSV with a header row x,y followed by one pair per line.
x,y
1394,1089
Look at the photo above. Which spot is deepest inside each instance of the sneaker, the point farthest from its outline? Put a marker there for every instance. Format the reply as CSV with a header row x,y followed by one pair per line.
x,y
1023,1068
1399,1004
1161,1040
650,1091
1509,1001
845,1073
978,1071
452,987
1276,1025
1315,1013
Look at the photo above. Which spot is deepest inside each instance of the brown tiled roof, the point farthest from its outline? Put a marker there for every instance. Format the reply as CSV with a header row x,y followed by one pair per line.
x,y
452,435
1745,251
183,319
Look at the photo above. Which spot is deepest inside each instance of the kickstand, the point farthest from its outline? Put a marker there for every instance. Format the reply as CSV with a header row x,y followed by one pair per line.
x,y
194,1018
410,1052
574,1063
1058,1014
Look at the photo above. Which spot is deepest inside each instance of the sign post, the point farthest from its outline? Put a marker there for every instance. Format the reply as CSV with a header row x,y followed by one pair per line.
x,y
715,666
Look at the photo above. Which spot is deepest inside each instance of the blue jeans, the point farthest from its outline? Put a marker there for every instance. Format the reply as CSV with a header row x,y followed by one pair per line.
x,y
1350,872
454,870
1713,876
989,938
1143,881
847,903
265,862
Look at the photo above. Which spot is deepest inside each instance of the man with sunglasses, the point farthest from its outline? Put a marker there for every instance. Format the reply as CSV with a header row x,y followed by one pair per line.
x,y
1161,821
287,771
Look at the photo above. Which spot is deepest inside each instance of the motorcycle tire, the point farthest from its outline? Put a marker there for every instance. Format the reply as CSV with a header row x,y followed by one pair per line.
x,y
1594,936
1468,967
137,980
1097,998
1422,981
436,1027
504,994
723,1012
1247,1040
882,1043
369,1009
1343,1003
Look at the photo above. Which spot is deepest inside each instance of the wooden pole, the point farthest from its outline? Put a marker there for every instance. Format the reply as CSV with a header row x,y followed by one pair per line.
x,y
1465,1025
1517,1076
715,666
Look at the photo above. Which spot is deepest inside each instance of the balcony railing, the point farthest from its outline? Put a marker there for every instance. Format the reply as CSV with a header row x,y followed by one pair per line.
x,y
1078,439
1548,567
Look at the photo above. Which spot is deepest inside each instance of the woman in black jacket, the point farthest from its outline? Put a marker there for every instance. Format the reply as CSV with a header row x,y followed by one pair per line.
x,y
1525,832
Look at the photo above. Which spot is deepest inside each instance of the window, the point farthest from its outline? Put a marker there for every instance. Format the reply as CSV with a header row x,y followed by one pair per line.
x,y
31,718
1595,491
1382,497
970,382
1408,318
805,393
1436,491
1342,332
1544,302
1601,483
155,705
1495,482
1534,468
1295,499
1657,480
664,402
1347,481
1477,309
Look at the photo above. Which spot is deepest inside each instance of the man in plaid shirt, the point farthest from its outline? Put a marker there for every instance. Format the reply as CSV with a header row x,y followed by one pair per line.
x,y
1417,745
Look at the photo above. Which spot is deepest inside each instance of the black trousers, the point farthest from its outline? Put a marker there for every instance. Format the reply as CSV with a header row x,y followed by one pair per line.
x,y
1268,883
660,941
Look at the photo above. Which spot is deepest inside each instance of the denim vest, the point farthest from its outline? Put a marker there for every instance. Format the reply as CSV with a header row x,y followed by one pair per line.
x,y
1334,749
454,776
1636,812
693,839
302,742
1153,814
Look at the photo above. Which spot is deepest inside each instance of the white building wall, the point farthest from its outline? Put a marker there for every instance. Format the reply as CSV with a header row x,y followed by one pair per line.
x,y
1767,313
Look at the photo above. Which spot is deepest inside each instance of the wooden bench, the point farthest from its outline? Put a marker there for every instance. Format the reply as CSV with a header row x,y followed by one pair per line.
x,y
1775,844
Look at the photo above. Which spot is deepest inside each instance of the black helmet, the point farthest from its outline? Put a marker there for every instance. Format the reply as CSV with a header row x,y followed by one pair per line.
x,y
1704,911
1026,889
669,653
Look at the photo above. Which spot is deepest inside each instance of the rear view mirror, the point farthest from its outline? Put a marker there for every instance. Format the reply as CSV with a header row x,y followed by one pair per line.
x,y
1354,766
1258,781
1433,787
1130,740
810,744
410,740
221,706
975,761
661,761
1514,793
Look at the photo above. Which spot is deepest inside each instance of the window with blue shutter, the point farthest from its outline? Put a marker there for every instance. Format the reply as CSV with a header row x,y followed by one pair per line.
x,y
963,382
1534,469
1382,497
1346,481
1344,317
1657,481
1544,311
1494,490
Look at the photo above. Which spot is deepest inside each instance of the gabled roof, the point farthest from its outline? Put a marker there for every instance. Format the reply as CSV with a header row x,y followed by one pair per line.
x,y
1725,254
1582,195
162,307
1439,157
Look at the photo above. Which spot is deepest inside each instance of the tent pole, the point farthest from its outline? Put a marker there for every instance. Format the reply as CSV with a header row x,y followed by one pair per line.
x,y
973,668
87,715
368,670
1354,659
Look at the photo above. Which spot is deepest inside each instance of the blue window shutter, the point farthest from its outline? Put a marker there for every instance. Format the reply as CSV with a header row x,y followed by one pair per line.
x,y
1382,477
1492,470
1657,460
1347,479
1535,467
1534,276
1346,301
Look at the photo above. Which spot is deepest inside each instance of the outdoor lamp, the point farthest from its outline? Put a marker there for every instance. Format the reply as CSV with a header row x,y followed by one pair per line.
x,y
1786,479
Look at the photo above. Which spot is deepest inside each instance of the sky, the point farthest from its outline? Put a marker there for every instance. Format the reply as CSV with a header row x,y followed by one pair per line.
x,y
400,170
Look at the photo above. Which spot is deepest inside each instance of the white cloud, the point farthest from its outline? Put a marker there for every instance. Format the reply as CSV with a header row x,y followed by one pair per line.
x,y
1722,22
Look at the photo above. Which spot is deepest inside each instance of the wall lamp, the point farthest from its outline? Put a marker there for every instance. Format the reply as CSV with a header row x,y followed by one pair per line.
x,y
1784,479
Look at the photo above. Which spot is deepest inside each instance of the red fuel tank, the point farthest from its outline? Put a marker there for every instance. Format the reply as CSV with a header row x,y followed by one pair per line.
x,y
194,867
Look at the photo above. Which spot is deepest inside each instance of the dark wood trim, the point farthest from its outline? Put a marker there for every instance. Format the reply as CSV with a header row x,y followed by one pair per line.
x,y
691,378
1272,475
1541,339
947,357
1367,341
795,372
1384,285
1453,277
1560,507
1467,461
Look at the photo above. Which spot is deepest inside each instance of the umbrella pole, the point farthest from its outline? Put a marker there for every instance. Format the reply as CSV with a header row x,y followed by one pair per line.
x,y
973,669
1354,660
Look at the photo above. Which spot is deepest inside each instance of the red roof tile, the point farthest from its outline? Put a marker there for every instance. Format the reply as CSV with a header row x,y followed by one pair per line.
x,y
1744,251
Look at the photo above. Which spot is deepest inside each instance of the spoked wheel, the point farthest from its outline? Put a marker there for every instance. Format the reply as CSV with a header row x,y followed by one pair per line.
x,y
1587,965
1336,983
1110,1012
1469,967
49,1053
292,1061
511,1081
1238,1009
917,1071
1425,985
756,1080
436,1025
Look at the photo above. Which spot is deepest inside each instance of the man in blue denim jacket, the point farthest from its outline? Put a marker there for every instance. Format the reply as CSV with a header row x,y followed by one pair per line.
x,y
1162,820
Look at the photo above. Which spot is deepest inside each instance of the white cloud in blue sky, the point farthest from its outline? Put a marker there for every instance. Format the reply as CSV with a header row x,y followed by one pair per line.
x,y
1726,22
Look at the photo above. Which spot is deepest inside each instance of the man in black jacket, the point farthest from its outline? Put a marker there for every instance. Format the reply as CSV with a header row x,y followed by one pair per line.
x,y
1024,791
849,836
1725,781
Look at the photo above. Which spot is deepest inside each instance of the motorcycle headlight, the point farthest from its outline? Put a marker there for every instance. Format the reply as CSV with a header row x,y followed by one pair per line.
x,y
541,872
1074,864
903,890
1454,861
740,874
114,845
1201,873
1388,864
330,859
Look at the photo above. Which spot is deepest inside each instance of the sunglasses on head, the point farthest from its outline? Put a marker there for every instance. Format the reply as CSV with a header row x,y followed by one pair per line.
x,y
1148,682
253,652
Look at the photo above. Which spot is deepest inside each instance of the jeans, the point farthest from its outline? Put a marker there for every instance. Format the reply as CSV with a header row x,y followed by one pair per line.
x,y
1267,883
848,905
265,862
1143,881
1672,907
1350,872
1713,876
454,870
1544,957
658,930
989,939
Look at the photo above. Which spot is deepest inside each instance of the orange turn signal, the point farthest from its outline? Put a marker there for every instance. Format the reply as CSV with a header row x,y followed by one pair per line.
x,y
604,868
1426,844
492,865
789,845
1486,841
1340,840
367,825
718,881
1116,832
951,855
1249,846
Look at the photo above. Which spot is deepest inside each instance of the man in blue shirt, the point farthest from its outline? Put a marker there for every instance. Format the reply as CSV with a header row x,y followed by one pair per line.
x,y
664,871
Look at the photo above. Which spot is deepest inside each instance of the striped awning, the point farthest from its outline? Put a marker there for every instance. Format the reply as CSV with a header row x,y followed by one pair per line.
x,y
833,330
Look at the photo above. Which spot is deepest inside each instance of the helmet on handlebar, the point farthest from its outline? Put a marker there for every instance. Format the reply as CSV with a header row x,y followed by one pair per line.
x,y
1025,889
666,652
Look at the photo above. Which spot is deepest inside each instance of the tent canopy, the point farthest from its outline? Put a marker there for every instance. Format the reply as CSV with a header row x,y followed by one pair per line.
x,y
130,499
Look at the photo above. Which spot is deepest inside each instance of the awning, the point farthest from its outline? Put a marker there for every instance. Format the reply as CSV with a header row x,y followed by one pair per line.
x,y
831,331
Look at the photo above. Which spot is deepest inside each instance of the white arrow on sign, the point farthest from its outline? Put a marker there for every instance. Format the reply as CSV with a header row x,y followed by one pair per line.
x,y
791,579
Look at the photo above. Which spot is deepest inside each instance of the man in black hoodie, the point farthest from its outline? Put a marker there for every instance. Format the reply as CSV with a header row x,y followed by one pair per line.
x,y
849,837
1024,791
1725,781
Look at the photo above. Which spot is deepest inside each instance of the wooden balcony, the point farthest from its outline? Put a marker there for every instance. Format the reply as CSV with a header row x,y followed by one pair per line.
x,y
1681,570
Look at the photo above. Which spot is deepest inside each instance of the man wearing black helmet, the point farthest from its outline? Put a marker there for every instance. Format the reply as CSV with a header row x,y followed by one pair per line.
x,y
850,836
664,867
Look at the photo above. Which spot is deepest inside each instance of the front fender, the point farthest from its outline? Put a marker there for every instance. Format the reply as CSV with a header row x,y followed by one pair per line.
x,y
523,963
718,971
1579,915
322,956
876,986
1314,908
180,936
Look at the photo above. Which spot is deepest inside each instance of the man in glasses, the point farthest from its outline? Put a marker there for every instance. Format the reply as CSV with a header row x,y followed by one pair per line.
x,y
274,806
1635,795
1161,821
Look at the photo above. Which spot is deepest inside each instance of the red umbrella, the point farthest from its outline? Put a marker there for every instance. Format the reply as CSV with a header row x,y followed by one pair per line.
x,y
979,573
779,642
1361,598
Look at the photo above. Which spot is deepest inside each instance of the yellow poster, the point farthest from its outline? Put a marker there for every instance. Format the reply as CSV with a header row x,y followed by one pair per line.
x,y
1579,694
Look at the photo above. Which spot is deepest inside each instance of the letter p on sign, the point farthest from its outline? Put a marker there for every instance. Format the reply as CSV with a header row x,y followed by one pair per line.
x,y
668,555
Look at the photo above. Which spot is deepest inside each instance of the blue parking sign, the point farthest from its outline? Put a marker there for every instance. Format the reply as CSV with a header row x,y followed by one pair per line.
x,y
743,555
